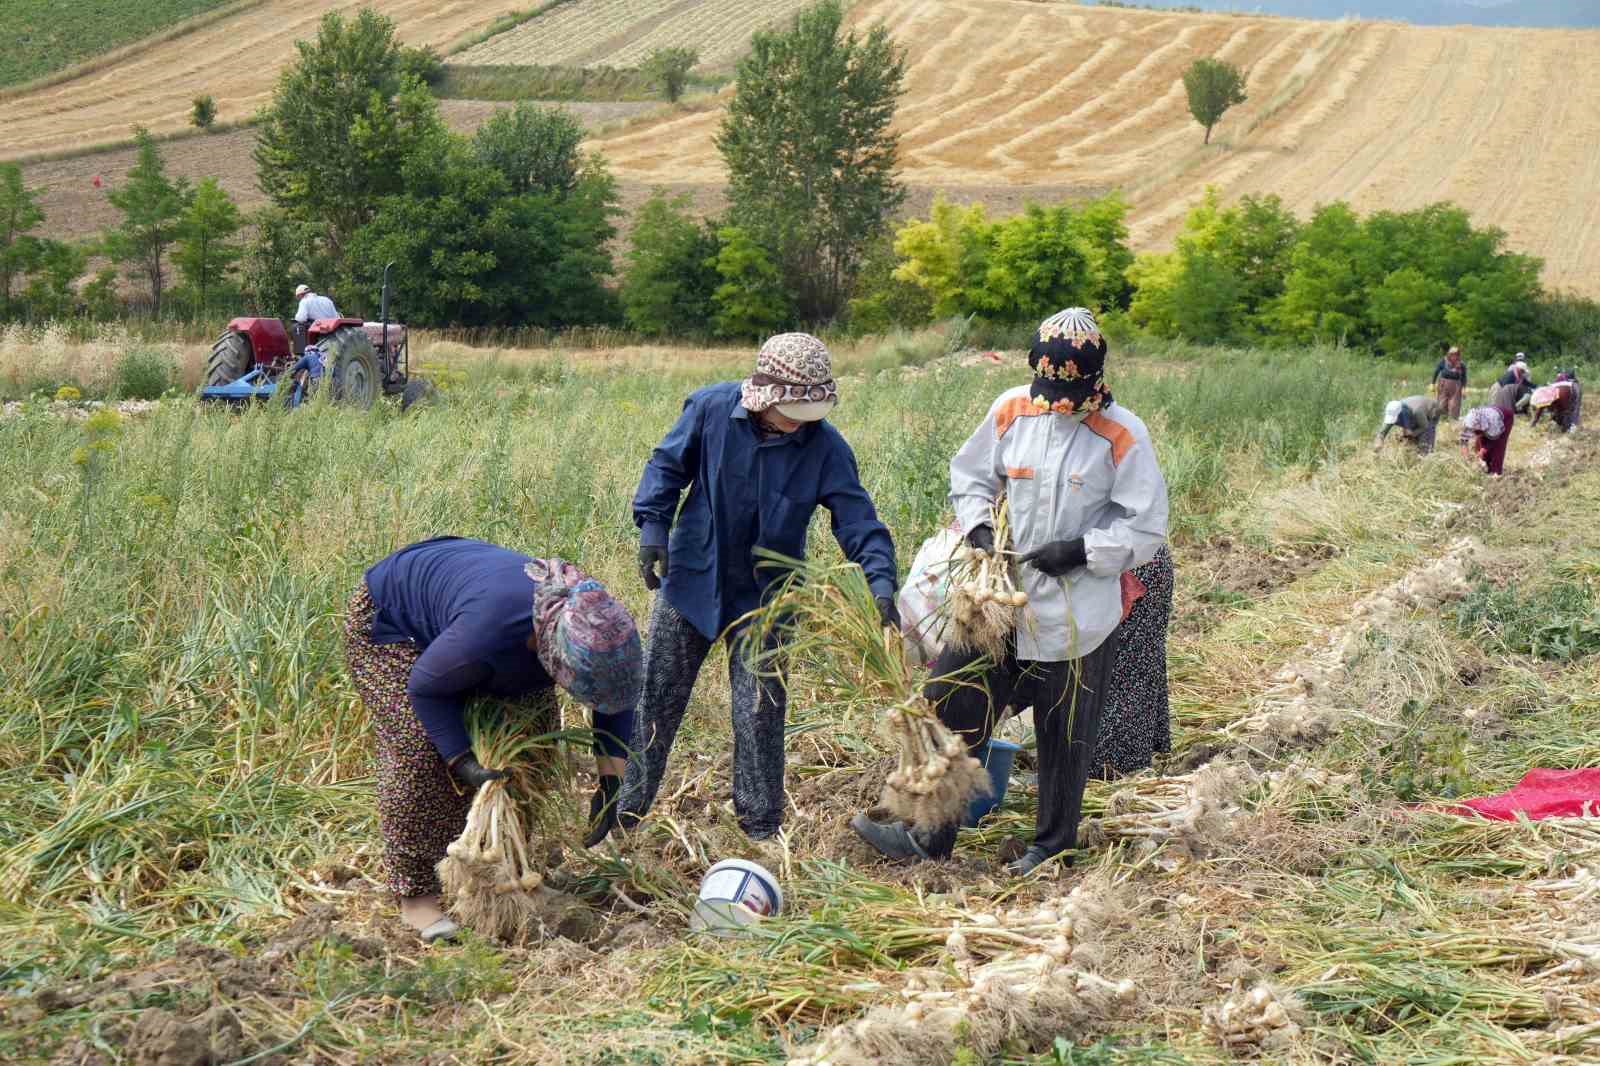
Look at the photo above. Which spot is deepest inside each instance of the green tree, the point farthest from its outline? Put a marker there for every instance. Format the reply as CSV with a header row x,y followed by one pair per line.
x,y
344,121
49,293
1323,292
279,253
752,300
884,300
668,70
810,152
1213,85
947,256
670,274
204,112
152,207
1407,310
207,253
536,148
19,249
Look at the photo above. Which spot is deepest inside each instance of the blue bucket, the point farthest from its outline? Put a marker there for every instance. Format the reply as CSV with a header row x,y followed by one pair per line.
x,y
997,759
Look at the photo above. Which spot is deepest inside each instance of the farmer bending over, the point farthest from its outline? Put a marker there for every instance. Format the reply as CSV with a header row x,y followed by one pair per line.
x,y
1417,418
1563,399
448,619
758,459
1088,502
1514,388
1485,434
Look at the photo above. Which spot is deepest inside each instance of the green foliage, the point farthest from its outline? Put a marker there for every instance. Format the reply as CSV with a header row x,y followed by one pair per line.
x,y
345,122
883,300
1423,759
49,293
946,256
46,36
101,303
810,152
143,374
668,69
752,300
671,272
1569,326
206,253
423,64
204,111
488,81
1213,86
281,251
1559,621
19,214
535,148
152,207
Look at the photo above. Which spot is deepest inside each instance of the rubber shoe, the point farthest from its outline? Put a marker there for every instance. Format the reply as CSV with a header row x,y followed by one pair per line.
x,y
1034,858
894,840
443,929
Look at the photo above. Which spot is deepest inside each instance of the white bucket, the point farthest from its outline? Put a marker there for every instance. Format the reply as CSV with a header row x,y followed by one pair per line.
x,y
735,893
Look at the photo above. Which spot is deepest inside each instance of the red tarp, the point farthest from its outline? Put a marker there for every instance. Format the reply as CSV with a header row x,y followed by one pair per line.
x,y
1542,794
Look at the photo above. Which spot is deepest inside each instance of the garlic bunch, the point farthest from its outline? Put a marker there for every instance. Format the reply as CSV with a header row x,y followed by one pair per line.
x,y
936,778
1250,1021
487,872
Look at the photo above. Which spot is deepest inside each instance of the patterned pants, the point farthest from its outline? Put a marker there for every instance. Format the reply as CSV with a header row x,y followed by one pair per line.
x,y
421,808
673,657
1137,721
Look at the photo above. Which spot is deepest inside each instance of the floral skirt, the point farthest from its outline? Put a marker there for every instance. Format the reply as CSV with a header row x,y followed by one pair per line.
x,y
1136,722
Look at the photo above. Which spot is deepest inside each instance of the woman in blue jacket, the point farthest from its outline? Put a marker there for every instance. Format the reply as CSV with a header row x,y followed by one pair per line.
x,y
758,459
448,619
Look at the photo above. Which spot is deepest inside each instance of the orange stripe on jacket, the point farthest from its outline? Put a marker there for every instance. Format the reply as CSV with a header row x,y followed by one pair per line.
x,y
1013,409
1115,433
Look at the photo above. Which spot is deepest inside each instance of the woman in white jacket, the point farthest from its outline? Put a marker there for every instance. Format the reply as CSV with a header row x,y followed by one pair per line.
x,y
1088,503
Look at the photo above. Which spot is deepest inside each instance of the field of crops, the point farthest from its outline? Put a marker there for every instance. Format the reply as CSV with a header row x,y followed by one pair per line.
x,y
621,33
45,36
191,842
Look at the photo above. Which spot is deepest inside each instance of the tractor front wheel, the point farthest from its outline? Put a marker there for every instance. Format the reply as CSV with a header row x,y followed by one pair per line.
x,y
230,360
353,362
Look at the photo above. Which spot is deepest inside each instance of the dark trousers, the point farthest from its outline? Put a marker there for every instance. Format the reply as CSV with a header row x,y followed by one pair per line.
x,y
1067,700
673,658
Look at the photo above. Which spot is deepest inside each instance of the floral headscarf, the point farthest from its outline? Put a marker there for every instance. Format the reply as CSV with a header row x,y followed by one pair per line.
x,y
1068,357
587,641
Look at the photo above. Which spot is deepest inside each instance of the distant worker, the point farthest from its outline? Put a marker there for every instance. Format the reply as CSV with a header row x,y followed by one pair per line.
x,y
1450,381
1562,398
1485,433
1515,387
1417,418
313,308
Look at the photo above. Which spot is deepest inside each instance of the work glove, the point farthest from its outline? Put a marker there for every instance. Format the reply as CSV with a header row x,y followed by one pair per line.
x,y
603,809
649,556
888,613
469,772
1058,557
982,539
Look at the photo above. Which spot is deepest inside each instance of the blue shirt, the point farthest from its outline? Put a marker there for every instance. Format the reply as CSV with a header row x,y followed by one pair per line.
x,y
749,491
469,606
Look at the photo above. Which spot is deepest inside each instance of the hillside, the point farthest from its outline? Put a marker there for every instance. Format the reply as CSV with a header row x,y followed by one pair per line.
x,y
1010,93
46,36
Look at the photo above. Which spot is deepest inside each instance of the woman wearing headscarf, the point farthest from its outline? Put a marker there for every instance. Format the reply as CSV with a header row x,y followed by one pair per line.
x,y
449,619
1562,399
1485,432
1087,502
1512,387
1137,722
1450,381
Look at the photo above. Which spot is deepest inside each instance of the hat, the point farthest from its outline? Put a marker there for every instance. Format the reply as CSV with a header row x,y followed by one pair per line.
x,y
587,641
794,373
301,290
1068,357
1485,420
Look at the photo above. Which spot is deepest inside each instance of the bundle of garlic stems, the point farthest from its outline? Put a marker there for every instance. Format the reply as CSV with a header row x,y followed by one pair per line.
x,y
984,598
826,617
490,872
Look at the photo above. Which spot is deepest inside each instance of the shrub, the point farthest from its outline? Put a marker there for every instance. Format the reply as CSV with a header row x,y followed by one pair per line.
x,y
668,69
204,112
751,300
671,272
143,374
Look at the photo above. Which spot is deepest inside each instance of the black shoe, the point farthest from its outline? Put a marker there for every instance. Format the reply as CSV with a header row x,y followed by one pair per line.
x,y
1033,858
893,840
603,809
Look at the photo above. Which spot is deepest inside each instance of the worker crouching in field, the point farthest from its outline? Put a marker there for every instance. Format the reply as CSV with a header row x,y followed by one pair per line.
x,y
448,619
1514,388
1417,418
1485,433
1563,399
1087,502
1450,381
757,459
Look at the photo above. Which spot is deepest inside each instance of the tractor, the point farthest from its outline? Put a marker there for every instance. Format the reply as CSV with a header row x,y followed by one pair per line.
x,y
253,356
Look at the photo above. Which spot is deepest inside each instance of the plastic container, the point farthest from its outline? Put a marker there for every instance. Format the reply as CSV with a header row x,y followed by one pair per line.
x,y
735,893
997,759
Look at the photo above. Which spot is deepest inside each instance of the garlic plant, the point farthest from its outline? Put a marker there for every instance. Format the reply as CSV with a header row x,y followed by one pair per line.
x,y
1247,1022
984,597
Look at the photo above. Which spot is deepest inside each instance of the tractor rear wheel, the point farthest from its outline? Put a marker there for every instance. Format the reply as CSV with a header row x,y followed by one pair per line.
x,y
353,362
230,360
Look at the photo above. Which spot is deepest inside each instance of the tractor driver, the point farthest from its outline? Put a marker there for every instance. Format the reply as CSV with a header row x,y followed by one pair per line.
x,y
312,308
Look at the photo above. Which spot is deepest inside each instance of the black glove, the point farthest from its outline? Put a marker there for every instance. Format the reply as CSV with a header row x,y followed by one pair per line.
x,y
1058,557
888,613
649,556
603,809
982,539
469,772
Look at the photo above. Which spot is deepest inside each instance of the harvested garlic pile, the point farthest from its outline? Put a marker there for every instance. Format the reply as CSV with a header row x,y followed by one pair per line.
x,y
1250,1021
1190,808
487,872
1582,886
1024,991
936,778
984,597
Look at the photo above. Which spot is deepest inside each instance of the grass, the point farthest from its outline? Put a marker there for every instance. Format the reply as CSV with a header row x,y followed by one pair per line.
x,y
185,771
47,37
486,82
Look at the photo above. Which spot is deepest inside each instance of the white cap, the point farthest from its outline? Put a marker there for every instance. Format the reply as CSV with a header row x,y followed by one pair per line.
x,y
805,412
301,290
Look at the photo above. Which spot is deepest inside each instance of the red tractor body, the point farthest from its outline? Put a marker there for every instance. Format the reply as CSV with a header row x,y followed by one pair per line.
x,y
269,342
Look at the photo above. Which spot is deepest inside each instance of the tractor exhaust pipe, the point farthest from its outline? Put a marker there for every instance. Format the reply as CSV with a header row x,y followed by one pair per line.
x,y
383,309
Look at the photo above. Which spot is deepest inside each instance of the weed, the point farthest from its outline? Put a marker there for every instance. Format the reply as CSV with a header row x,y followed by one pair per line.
x,y
1558,621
